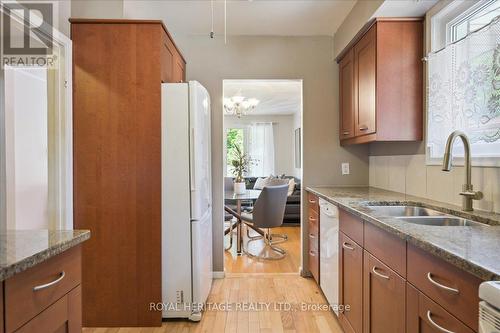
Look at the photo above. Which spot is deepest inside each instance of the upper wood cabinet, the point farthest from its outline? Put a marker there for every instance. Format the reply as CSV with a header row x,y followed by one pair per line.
x,y
346,70
380,82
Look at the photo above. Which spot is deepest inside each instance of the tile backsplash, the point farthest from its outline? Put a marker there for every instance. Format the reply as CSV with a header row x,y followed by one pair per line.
x,y
409,174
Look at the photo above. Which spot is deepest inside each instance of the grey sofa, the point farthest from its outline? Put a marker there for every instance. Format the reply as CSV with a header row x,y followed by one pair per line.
x,y
292,208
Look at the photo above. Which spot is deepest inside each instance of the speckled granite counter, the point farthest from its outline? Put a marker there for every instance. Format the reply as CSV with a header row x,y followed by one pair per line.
x,y
20,250
475,249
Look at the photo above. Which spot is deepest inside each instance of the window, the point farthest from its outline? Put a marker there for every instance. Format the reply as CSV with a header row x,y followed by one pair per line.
x,y
463,74
475,18
256,141
235,139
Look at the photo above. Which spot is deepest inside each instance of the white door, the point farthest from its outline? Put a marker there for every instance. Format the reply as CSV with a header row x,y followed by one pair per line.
x,y
200,150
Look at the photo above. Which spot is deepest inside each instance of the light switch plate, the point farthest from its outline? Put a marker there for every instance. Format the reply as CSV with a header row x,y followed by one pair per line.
x,y
345,169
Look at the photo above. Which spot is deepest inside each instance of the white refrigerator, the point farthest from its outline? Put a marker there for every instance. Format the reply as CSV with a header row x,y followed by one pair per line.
x,y
186,199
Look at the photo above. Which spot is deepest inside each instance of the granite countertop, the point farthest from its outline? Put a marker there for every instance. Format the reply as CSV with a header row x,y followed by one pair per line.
x,y
22,249
475,249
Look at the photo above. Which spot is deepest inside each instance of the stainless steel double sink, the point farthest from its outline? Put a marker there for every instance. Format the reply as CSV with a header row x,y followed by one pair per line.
x,y
422,215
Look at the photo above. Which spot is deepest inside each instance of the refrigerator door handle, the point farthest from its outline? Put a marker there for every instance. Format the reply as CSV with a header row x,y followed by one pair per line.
x,y
192,161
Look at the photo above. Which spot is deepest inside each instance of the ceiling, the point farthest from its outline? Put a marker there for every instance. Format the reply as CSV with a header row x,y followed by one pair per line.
x,y
277,97
258,17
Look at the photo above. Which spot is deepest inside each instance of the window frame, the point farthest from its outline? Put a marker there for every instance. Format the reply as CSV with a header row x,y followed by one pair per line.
x,y
440,21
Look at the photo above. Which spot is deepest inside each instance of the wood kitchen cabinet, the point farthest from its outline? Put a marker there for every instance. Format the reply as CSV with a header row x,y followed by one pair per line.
x,y
384,296
46,297
393,286
346,72
351,284
313,231
118,69
381,83
425,316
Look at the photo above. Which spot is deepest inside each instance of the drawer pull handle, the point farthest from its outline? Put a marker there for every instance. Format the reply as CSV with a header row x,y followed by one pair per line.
x,y
346,132
312,236
50,284
311,218
363,128
312,201
312,253
347,246
442,329
442,286
374,270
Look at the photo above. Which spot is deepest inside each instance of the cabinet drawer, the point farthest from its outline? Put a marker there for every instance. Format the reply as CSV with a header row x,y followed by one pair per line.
x,y
447,285
32,291
351,225
424,315
314,263
313,202
388,248
313,237
313,219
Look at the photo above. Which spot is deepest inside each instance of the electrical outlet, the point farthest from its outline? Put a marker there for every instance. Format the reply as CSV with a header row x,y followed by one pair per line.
x,y
345,169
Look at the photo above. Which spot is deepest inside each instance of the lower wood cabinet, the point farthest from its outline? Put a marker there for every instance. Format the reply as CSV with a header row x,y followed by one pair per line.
x,y
383,298
425,316
351,280
313,232
45,298
391,286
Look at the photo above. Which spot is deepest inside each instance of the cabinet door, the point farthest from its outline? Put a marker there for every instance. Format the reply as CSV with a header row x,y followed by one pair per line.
x,y
179,69
351,283
365,81
313,227
167,58
425,316
346,79
383,298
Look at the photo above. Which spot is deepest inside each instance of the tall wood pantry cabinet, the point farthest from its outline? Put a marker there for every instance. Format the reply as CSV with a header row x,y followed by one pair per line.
x,y
118,68
381,83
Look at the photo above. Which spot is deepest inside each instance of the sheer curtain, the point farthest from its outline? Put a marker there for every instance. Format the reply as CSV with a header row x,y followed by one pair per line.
x,y
261,149
464,94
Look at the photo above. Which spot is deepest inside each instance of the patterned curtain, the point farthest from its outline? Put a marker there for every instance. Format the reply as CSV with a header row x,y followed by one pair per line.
x,y
464,93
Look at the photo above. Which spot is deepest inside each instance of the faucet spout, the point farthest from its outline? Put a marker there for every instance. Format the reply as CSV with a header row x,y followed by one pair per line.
x,y
468,192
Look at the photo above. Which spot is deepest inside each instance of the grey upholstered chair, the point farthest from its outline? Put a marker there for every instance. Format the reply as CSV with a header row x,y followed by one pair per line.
x,y
268,212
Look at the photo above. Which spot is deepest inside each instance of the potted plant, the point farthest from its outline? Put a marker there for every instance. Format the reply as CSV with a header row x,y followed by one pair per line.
x,y
240,165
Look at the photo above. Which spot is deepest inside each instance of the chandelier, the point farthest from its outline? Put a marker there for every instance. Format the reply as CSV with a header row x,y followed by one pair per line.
x,y
239,105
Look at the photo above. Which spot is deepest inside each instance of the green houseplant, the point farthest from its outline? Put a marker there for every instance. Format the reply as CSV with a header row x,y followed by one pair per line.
x,y
240,164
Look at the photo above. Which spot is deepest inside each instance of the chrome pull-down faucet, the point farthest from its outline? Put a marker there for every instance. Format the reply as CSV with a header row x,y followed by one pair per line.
x,y
468,192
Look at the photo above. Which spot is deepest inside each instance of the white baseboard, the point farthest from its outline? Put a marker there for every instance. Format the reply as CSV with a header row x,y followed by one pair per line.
x,y
218,275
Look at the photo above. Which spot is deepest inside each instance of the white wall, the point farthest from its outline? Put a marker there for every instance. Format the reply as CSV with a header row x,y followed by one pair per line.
x,y
108,9
283,132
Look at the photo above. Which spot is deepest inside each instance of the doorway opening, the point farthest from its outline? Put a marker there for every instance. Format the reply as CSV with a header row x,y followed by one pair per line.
x,y
262,151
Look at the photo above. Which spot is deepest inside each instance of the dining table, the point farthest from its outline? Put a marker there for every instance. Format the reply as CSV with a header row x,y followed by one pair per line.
x,y
230,197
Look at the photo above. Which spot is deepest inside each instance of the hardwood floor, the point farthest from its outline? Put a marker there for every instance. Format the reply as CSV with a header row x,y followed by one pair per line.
x,y
246,264
301,294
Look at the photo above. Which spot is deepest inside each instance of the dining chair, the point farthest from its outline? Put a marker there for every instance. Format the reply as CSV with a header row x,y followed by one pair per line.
x,y
267,213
